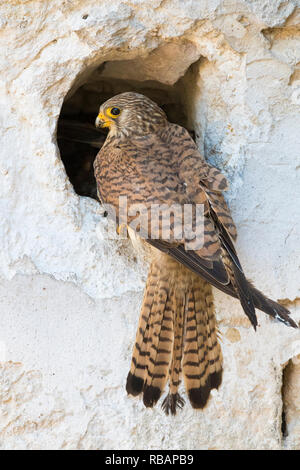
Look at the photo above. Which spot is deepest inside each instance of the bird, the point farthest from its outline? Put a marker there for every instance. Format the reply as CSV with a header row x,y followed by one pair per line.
x,y
155,163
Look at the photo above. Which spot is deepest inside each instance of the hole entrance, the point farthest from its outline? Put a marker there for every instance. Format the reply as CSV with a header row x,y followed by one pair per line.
x,y
78,139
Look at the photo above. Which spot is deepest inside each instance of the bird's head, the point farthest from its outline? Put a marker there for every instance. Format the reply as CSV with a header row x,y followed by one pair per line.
x,y
129,113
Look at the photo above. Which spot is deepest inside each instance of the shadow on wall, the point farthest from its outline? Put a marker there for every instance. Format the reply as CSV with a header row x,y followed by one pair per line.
x,y
78,139
291,399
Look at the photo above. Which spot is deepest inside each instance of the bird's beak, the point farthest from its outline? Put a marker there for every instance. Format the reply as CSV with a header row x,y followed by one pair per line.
x,y
102,121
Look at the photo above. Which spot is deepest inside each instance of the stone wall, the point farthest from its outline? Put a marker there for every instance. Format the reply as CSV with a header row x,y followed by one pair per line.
x,y
69,296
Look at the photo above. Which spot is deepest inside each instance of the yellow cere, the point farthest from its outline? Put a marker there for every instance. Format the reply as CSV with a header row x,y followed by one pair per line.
x,y
104,120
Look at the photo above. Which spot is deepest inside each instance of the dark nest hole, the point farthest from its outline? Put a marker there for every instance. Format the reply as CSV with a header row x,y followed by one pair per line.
x,y
78,139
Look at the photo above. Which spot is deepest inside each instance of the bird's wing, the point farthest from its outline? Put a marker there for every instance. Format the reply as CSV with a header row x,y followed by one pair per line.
x,y
161,161
168,169
203,180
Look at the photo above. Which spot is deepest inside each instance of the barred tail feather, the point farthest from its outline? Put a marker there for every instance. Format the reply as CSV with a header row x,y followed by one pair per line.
x,y
202,360
152,351
176,335
173,400
160,345
138,369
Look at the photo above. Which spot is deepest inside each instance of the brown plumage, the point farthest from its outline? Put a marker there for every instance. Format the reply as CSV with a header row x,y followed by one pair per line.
x,y
151,161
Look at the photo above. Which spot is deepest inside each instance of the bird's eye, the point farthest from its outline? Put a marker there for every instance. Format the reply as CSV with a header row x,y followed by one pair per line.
x,y
114,112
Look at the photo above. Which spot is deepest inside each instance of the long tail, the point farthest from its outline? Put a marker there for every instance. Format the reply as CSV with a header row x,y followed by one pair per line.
x,y
154,339
202,359
173,399
176,334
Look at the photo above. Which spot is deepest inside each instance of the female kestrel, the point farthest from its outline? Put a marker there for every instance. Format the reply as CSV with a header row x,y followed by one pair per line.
x,y
154,163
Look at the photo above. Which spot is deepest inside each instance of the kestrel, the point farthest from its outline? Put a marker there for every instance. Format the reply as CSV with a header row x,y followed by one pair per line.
x,y
151,161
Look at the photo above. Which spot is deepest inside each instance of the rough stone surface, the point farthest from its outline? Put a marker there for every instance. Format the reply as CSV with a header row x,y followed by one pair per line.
x,y
69,295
